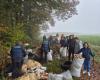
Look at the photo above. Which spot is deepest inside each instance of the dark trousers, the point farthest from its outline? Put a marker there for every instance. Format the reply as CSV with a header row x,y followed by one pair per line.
x,y
71,53
45,56
16,69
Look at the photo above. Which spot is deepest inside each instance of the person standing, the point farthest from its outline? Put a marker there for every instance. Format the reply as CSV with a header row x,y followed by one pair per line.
x,y
71,47
63,49
45,47
86,53
17,56
78,44
50,39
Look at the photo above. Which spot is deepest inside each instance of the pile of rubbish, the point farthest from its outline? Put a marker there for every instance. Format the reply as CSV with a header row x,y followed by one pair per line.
x,y
33,70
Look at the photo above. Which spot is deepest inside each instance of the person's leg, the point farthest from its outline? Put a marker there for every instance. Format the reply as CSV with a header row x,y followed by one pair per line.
x,y
45,56
41,55
85,66
88,66
72,53
69,55
72,56
14,70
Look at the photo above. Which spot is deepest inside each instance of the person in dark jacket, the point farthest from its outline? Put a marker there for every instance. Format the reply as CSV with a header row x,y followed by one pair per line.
x,y
71,46
86,53
63,42
63,47
17,55
45,47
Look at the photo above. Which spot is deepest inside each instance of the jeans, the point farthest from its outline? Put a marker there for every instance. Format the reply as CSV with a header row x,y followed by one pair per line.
x,y
87,65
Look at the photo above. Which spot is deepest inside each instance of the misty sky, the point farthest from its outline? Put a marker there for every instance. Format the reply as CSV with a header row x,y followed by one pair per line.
x,y
87,21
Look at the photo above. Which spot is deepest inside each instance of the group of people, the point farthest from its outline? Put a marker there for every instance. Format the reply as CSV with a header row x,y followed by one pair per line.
x,y
73,45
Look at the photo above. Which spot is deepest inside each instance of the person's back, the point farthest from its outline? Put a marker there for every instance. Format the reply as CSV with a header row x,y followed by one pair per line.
x,y
45,45
45,48
17,53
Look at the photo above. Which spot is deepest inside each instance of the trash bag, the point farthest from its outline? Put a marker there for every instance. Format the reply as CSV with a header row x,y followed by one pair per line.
x,y
63,51
63,76
33,56
67,75
76,67
49,55
66,65
52,76
25,58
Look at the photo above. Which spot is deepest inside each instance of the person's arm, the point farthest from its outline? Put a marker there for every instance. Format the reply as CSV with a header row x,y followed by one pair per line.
x,y
79,51
92,53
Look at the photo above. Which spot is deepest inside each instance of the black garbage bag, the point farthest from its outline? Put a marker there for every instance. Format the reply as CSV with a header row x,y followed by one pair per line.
x,y
66,65
34,57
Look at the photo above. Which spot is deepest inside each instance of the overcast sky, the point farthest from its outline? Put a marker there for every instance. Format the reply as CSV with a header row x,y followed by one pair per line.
x,y
87,21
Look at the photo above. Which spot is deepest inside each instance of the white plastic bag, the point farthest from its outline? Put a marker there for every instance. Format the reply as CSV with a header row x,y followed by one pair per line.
x,y
55,77
67,75
76,67
63,51
58,77
63,76
49,55
26,58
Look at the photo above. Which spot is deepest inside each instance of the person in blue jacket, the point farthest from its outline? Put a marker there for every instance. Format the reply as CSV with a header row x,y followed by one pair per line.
x,y
86,53
17,56
45,47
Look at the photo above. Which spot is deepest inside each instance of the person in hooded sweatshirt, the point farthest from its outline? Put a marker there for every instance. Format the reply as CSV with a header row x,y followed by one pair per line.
x,y
17,56
86,53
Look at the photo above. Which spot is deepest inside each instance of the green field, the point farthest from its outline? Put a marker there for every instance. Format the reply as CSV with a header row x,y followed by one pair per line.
x,y
92,39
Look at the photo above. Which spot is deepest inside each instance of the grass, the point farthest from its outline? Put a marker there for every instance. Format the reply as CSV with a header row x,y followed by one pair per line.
x,y
92,39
